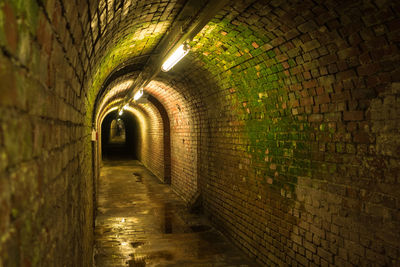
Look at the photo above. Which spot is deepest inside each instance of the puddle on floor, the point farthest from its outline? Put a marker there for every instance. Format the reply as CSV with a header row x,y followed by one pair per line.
x,y
136,244
144,223
138,177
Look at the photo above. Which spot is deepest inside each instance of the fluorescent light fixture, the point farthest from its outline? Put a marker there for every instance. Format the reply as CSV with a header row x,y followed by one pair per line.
x,y
138,94
120,112
179,53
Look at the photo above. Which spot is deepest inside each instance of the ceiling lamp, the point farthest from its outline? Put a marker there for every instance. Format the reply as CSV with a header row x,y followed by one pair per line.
x,y
178,54
138,94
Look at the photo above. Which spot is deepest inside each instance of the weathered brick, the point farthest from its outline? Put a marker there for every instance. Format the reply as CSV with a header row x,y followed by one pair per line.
x,y
328,59
356,115
325,254
307,26
322,99
346,75
313,44
367,70
315,118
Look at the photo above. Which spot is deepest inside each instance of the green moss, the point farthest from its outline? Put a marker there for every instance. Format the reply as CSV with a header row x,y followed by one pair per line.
x,y
278,141
2,33
28,11
14,213
128,47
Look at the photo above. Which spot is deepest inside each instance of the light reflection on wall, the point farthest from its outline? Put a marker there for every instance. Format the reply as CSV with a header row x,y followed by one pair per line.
x,y
119,87
183,124
184,138
150,143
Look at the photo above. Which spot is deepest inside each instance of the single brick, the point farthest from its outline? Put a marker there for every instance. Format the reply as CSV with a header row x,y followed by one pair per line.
x,y
356,115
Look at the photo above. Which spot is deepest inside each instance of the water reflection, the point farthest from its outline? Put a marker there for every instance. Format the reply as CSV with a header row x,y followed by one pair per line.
x,y
137,262
136,244
145,224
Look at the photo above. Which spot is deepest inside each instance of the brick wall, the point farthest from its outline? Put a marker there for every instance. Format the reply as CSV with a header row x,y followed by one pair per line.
x,y
164,133
299,152
184,135
45,167
152,140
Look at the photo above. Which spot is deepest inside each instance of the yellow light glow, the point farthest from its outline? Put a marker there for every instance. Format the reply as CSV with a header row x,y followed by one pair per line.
x,y
121,86
138,94
179,53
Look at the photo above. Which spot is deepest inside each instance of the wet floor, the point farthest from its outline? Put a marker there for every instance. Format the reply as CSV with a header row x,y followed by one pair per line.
x,y
142,222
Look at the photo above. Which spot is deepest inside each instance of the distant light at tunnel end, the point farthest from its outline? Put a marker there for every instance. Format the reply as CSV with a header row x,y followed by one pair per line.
x,y
179,53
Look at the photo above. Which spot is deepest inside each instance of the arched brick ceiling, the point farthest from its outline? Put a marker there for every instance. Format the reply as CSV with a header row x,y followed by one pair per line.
x,y
268,40
106,34
122,34
175,98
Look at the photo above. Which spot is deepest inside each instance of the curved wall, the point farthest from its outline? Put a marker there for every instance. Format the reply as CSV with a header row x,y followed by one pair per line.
x,y
299,167
284,116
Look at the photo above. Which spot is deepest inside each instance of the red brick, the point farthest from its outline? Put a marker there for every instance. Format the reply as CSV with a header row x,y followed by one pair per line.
x,y
307,101
361,137
356,115
346,75
10,22
309,84
311,45
329,59
348,52
315,118
322,99
366,70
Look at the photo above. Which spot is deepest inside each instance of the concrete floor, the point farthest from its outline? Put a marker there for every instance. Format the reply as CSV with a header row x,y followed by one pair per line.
x,y
142,222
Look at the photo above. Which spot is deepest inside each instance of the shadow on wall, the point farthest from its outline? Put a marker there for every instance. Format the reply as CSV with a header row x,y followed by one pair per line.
x,y
119,136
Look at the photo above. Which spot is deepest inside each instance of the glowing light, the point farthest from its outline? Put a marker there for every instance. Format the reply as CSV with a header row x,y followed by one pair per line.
x,y
121,86
138,94
123,220
126,106
179,53
120,112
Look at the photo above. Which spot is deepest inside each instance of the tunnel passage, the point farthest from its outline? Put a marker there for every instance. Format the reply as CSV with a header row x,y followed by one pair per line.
x,y
142,222
283,115
119,136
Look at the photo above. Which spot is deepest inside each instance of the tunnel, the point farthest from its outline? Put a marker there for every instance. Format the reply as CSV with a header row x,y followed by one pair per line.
x,y
278,128
119,136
